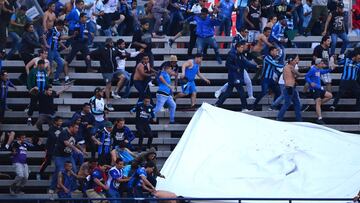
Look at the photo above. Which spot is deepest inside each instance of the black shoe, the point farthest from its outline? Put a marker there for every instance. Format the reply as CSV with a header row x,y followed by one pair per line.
x,y
320,121
171,42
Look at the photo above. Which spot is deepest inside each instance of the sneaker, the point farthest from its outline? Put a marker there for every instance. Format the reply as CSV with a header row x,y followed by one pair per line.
x,y
246,110
271,108
305,108
26,110
217,94
115,95
51,191
109,107
69,81
29,121
320,121
332,108
252,97
170,42
38,177
151,84
219,60
56,82
341,56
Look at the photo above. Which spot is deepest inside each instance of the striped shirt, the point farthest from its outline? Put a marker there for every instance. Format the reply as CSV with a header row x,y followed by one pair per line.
x,y
53,38
269,67
351,70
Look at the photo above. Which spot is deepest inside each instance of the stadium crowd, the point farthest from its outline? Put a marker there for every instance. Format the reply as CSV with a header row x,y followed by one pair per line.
x,y
264,29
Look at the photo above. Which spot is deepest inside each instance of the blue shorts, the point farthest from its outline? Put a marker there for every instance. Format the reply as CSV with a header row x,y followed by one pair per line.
x,y
189,87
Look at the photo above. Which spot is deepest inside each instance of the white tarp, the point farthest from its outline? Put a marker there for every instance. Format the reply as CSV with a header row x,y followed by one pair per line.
x,y
230,154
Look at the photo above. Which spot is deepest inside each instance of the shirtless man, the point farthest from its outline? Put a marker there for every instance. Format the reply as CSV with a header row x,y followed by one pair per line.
x,y
290,92
49,17
142,76
260,47
43,54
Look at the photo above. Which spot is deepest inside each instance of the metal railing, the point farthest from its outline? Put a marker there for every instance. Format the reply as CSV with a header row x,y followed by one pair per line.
x,y
155,200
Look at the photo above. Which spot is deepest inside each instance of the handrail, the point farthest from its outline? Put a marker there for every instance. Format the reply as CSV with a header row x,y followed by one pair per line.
x,y
140,200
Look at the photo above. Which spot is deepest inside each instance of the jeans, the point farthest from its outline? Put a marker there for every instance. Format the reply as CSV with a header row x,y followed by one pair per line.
x,y
169,101
317,11
55,55
92,29
78,158
265,86
225,26
240,18
345,42
278,101
291,95
228,92
22,175
175,18
143,89
16,40
201,43
98,125
114,194
59,166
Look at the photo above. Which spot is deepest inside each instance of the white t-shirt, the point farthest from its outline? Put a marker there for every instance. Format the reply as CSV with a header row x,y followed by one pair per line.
x,y
100,107
110,6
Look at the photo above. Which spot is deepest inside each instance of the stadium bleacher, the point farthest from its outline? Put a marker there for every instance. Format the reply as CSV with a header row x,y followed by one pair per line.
x,y
167,135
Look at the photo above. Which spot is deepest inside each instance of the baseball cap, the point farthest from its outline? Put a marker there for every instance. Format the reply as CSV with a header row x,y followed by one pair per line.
x,y
173,58
318,61
108,124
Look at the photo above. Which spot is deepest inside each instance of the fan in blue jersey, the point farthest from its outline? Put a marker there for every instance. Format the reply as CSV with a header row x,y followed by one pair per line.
x,y
321,96
53,43
115,178
66,181
139,182
103,140
144,114
5,83
269,73
348,82
191,69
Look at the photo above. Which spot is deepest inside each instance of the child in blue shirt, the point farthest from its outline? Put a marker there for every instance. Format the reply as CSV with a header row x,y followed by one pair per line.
x,y
320,95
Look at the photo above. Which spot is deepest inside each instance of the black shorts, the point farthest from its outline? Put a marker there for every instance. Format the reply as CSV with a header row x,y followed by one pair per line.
x,y
318,94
